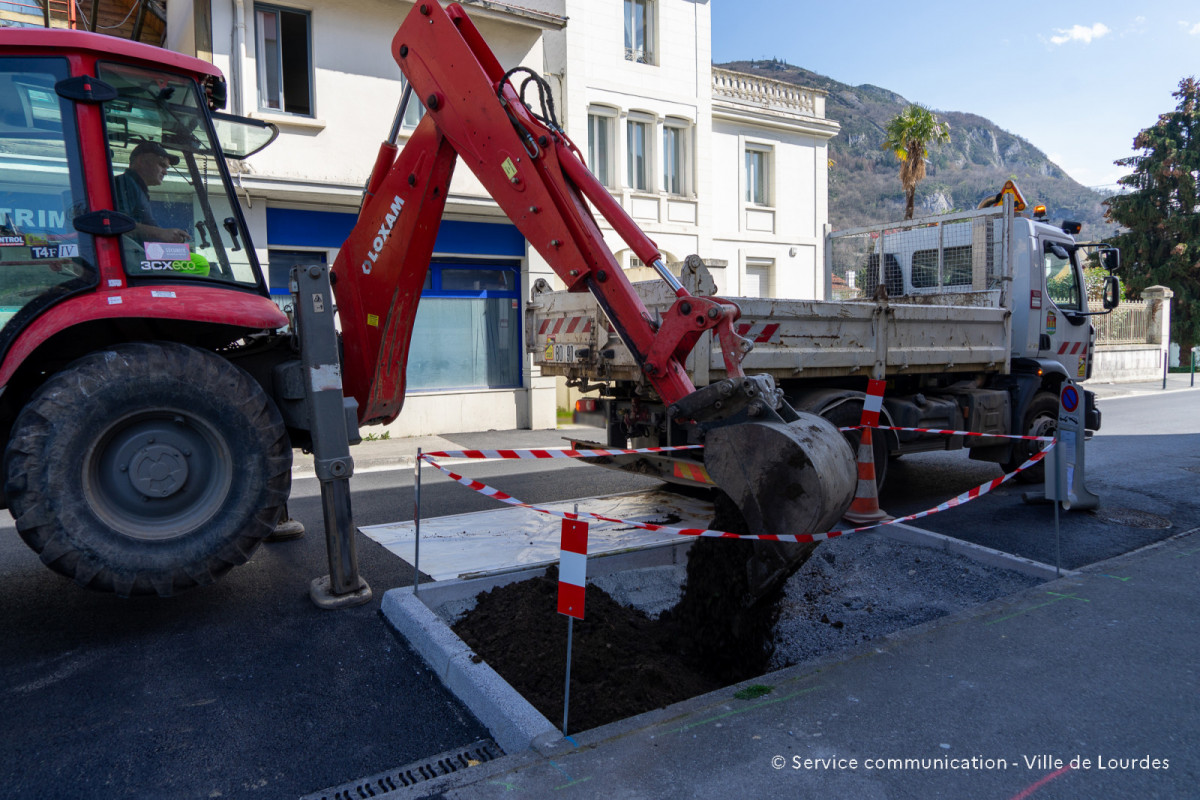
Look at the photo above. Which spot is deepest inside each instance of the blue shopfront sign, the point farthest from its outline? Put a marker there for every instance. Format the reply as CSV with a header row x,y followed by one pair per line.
x,y
467,334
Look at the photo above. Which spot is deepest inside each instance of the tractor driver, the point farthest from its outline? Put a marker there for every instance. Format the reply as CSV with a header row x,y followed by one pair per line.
x,y
148,165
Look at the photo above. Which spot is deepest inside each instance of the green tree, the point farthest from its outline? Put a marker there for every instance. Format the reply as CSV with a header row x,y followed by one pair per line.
x,y
1160,212
909,135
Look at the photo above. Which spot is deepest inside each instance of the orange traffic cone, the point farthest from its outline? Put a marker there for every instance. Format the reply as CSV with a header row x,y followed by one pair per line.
x,y
865,508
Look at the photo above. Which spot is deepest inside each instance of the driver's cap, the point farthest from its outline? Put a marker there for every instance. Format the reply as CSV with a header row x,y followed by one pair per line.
x,y
153,148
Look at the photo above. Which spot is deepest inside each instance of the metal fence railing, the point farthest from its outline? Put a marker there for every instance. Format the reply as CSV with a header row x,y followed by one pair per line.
x,y
1127,324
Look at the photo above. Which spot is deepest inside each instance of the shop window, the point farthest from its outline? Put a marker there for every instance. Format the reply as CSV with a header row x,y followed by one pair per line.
x,y
467,333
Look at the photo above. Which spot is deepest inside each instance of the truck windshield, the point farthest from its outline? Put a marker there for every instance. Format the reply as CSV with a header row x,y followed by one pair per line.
x,y
1062,278
168,176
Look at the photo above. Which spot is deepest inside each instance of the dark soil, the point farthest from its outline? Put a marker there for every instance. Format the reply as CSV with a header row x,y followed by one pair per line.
x,y
624,663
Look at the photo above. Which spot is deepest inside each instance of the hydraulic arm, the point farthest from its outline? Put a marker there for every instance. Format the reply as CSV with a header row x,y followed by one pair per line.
x,y
797,476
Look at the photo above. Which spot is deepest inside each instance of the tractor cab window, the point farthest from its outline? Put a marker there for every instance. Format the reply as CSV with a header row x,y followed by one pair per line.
x,y
1062,278
169,176
42,257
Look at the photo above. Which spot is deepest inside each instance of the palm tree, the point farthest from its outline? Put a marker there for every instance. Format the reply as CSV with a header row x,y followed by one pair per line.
x,y
909,134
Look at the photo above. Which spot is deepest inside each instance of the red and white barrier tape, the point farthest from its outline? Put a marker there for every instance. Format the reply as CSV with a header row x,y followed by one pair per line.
x,y
566,452
554,452
950,433
504,497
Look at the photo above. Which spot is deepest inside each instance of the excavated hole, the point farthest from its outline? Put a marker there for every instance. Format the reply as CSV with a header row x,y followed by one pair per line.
x,y
853,590
623,662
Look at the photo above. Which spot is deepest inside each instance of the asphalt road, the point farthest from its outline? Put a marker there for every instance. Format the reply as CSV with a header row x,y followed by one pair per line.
x,y
244,689
1143,463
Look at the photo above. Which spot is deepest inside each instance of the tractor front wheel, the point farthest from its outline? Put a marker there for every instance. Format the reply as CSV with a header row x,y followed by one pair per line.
x,y
147,468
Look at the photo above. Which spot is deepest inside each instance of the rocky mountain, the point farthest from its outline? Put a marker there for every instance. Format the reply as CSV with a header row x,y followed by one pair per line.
x,y
864,183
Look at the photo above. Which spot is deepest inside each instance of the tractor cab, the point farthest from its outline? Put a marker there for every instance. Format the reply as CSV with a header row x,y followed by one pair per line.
x,y
112,177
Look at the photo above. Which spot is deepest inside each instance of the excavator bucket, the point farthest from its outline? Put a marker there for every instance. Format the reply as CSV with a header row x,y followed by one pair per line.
x,y
786,478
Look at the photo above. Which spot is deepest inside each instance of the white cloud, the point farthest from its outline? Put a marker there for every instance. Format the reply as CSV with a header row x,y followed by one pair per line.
x,y
1079,33
1195,29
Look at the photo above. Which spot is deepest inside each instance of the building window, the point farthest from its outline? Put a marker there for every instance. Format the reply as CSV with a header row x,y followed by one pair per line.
x,y
639,31
414,111
760,278
284,53
677,166
600,145
467,334
758,175
638,154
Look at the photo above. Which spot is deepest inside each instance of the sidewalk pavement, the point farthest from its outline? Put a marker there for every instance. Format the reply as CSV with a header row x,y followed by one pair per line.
x,y
1176,381
994,702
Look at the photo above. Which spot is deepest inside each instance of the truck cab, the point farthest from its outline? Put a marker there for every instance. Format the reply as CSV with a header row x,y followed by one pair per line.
x,y
1050,320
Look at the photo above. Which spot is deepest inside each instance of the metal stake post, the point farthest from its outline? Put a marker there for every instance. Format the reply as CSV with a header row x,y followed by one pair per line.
x,y
1060,466
567,692
417,526
570,636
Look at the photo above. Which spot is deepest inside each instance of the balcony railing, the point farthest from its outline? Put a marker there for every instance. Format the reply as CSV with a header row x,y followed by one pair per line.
x,y
768,93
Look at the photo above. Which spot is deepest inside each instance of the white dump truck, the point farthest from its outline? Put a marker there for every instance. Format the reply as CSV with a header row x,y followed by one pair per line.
x,y
974,320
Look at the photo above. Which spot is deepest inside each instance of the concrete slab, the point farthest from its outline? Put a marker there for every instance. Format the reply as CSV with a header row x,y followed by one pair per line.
x,y
506,538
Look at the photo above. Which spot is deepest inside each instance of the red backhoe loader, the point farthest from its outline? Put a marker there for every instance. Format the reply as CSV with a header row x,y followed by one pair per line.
x,y
152,394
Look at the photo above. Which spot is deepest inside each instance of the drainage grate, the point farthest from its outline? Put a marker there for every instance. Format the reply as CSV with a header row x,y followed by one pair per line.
x,y
385,783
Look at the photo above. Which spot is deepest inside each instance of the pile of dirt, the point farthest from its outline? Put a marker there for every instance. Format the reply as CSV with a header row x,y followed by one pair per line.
x,y
623,662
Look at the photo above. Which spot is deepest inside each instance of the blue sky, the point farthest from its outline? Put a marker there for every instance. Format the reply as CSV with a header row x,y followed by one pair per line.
x,y
1077,79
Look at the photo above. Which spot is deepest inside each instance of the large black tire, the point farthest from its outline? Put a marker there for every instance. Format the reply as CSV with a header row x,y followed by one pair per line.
x,y
147,468
848,414
1041,419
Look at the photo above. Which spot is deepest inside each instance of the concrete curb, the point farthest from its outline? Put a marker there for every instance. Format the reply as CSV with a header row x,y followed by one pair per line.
x,y
515,725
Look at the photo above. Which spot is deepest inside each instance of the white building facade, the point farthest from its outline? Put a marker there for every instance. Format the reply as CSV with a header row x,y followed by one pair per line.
x,y
730,167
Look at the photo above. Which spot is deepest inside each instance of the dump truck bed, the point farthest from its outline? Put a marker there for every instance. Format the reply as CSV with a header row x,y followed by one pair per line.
x,y
940,304
570,336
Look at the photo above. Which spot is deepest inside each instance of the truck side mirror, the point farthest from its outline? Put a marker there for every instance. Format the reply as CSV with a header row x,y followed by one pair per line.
x,y
1110,258
1112,291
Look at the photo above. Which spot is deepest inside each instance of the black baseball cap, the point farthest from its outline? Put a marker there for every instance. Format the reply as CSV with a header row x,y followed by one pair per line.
x,y
154,148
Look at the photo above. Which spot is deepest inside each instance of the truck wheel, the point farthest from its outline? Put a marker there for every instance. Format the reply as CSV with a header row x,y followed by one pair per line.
x,y
849,414
1041,419
147,468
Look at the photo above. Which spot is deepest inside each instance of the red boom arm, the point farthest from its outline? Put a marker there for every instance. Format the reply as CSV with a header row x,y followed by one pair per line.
x,y
535,174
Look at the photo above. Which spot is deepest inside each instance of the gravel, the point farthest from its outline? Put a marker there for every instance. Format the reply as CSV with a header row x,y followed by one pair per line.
x,y
851,590
857,588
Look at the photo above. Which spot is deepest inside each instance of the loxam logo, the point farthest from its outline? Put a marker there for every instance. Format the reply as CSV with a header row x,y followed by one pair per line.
x,y
385,230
